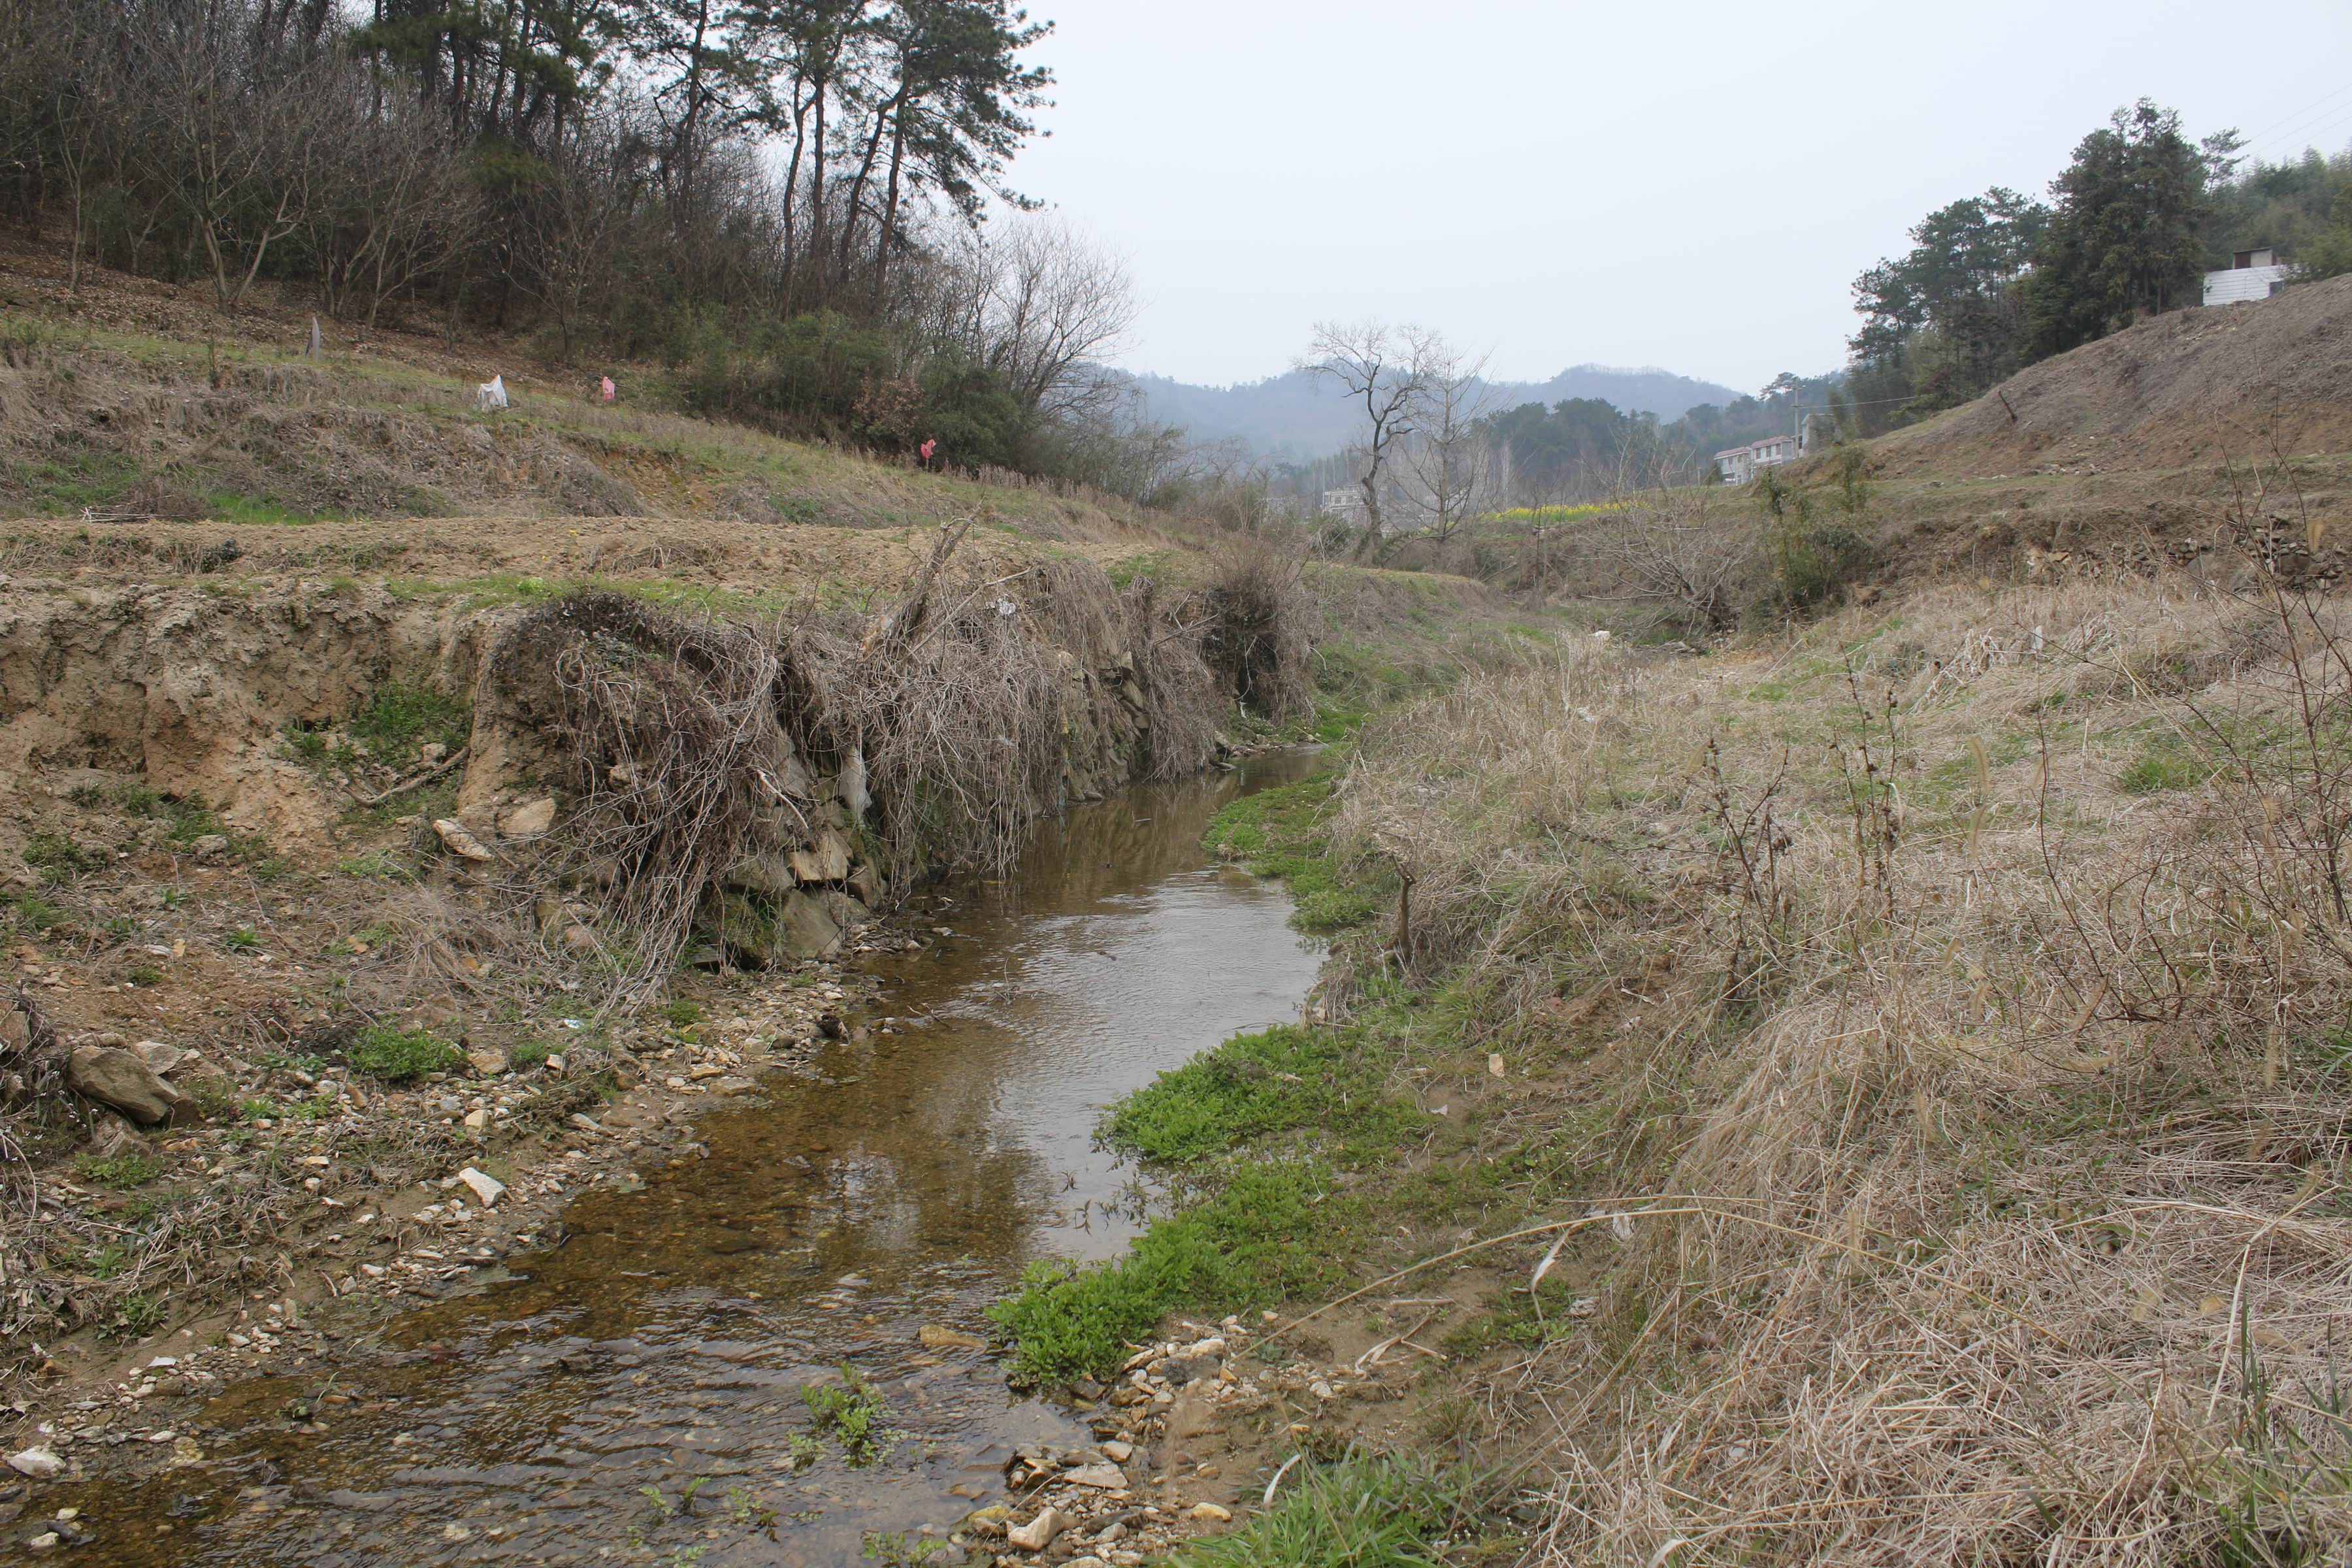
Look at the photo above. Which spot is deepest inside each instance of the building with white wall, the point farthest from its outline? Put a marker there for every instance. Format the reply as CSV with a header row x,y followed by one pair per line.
x,y
2251,275
1737,465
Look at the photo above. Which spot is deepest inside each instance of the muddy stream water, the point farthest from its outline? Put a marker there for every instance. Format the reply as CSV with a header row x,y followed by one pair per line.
x,y
897,1181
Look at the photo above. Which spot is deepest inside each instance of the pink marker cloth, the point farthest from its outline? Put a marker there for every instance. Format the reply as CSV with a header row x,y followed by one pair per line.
x,y
929,448
609,389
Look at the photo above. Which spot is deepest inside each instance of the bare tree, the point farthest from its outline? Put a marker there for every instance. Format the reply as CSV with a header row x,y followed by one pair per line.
x,y
1055,306
400,207
1385,369
1449,461
235,126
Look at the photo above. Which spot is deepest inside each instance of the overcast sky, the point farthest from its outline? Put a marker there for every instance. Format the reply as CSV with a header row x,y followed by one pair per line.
x,y
1691,185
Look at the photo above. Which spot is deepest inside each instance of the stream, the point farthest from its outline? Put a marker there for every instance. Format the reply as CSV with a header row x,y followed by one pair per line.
x,y
899,1181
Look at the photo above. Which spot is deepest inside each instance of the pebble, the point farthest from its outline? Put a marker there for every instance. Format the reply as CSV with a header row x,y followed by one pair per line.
x,y
1039,1532
486,1187
41,1464
1214,1513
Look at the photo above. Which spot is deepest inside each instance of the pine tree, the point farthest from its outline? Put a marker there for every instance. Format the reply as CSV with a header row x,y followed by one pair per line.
x,y
2126,237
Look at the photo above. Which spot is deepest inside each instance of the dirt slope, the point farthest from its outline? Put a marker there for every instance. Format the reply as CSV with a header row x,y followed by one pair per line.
x,y
2194,386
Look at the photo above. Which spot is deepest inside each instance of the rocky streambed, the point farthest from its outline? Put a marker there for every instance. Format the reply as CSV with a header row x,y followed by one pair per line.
x,y
756,1338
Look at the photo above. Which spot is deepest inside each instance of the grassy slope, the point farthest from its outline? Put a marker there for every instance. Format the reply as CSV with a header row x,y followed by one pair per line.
x,y
1916,983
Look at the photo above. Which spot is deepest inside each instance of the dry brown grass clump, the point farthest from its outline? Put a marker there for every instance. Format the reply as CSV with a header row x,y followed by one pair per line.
x,y
1961,991
1261,627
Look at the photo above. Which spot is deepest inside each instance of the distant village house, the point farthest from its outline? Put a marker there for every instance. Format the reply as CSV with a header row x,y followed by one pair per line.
x,y
2251,275
1737,465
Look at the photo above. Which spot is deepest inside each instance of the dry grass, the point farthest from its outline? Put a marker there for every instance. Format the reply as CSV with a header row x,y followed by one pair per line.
x,y
1959,983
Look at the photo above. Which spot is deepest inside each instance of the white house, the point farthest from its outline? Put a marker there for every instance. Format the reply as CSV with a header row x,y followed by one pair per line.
x,y
2251,275
1737,465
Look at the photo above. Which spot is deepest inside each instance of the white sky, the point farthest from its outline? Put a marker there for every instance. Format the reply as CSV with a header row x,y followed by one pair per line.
x,y
1692,185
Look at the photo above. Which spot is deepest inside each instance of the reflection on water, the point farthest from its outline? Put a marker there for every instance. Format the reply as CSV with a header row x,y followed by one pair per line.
x,y
904,1182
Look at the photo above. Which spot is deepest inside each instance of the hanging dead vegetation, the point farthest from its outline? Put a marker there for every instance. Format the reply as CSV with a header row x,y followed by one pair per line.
x,y
1260,632
912,740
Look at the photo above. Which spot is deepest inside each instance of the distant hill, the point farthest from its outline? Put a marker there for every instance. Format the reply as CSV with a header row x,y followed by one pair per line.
x,y
1297,417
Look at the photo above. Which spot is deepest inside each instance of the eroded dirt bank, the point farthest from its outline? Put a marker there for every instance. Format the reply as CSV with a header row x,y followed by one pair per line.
x,y
324,886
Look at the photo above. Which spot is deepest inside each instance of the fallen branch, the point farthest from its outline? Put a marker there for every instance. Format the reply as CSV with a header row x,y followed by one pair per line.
x,y
410,782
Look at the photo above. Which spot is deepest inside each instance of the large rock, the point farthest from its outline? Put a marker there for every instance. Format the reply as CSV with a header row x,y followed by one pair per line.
x,y
846,911
827,860
768,875
531,820
115,1077
764,933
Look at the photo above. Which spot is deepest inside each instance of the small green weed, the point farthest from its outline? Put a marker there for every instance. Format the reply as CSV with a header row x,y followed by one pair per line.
x,y
135,1315
852,1413
681,1014
402,1056
139,974
399,720
895,1550
244,939
35,913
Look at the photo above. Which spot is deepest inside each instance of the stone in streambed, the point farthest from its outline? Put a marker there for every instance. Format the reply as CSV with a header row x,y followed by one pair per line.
x,y
932,1336
1039,1532
1100,1478
41,1464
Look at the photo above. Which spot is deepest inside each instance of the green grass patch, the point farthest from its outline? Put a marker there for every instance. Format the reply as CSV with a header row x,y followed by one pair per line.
x,y
400,720
402,1056
1366,1511
2165,764
1280,832
1269,1232
121,1172
58,858
1279,1080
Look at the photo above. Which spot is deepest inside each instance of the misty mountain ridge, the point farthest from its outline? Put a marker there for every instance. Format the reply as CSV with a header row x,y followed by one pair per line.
x,y
1298,416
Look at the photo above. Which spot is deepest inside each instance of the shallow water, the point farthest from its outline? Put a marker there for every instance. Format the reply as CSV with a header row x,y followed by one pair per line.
x,y
903,1180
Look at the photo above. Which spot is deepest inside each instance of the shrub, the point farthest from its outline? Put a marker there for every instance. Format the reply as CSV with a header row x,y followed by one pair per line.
x,y
402,1056
1812,562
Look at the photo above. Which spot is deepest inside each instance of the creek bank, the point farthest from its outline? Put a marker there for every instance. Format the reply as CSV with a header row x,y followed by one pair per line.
x,y
259,821
865,1210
